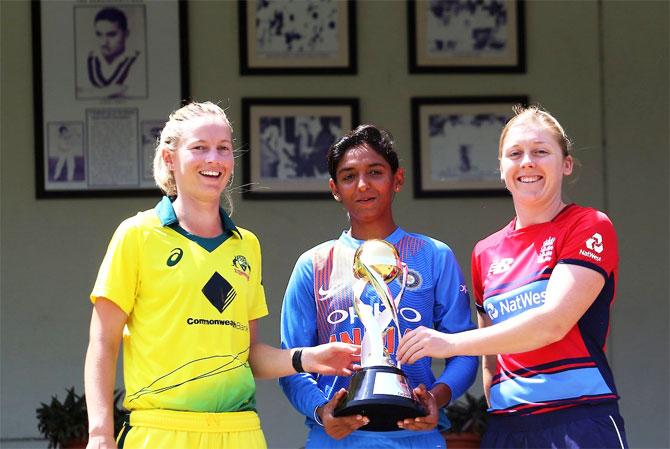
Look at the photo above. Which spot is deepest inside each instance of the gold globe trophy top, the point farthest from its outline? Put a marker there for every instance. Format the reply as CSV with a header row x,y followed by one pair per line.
x,y
380,256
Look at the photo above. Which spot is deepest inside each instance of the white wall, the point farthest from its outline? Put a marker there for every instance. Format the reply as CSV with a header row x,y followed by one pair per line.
x,y
636,151
615,108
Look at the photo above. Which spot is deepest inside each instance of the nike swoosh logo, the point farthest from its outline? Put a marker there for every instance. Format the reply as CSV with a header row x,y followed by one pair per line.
x,y
323,292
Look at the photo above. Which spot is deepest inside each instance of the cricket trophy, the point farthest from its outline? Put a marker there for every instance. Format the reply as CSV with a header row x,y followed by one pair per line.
x,y
380,390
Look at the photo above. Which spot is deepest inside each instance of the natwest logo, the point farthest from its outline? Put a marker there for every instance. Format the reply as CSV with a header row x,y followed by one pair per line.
x,y
595,243
595,246
501,266
491,310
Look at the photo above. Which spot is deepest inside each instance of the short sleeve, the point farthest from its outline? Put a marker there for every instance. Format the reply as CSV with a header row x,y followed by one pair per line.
x,y
118,274
477,287
256,305
592,243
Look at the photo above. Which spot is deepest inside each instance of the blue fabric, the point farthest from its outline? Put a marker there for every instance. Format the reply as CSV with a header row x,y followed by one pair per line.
x,y
585,427
436,297
403,439
549,387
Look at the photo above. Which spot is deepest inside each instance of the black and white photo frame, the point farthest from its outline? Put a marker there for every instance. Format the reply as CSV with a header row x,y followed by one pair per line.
x,y
285,143
455,144
105,77
307,37
463,36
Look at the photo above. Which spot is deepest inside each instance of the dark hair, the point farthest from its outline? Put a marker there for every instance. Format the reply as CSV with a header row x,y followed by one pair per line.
x,y
378,139
113,15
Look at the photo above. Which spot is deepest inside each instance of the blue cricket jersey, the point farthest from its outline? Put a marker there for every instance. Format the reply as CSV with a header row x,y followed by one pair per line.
x,y
318,308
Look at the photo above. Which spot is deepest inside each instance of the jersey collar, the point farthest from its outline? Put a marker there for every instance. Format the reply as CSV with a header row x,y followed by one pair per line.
x,y
392,238
167,216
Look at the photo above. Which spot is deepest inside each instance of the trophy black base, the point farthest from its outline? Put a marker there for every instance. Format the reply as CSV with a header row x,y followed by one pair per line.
x,y
382,394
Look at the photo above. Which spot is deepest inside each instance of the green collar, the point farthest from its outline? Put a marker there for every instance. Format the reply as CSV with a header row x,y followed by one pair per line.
x,y
168,217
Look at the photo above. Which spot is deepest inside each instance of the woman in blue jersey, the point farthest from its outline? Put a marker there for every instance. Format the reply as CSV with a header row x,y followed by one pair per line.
x,y
318,304
181,285
544,286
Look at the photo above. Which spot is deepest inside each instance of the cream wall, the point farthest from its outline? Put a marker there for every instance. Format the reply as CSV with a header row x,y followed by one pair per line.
x,y
602,68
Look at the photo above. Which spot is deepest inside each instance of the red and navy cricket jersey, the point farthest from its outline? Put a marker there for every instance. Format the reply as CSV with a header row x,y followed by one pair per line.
x,y
510,272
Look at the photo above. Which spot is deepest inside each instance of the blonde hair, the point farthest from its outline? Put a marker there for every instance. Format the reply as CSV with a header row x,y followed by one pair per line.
x,y
534,113
171,136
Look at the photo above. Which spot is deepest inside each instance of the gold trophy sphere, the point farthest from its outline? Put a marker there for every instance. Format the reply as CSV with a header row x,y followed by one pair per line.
x,y
380,256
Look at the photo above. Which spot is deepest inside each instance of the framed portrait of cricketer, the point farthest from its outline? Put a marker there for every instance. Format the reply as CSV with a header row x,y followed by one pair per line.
x,y
465,36
455,144
285,142
106,76
305,37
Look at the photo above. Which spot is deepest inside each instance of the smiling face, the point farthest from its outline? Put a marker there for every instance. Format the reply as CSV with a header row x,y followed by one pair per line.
x,y
203,162
365,185
532,165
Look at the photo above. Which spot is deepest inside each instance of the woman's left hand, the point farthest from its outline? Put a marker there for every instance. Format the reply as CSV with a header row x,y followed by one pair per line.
x,y
423,342
427,422
331,359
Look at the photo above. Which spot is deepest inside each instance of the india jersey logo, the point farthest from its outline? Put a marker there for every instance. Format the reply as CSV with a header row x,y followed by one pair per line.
x,y
414,280
241,266
174,257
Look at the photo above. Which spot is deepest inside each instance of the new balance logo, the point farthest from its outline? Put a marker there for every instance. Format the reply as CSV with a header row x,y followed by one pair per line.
x,y
501,266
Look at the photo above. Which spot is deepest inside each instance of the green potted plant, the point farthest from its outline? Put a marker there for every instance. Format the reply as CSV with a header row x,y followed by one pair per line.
x,y
65,424
468,422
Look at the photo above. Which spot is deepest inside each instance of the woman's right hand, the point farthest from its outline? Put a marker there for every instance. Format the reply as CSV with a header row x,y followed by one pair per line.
x,y
341,427
101,442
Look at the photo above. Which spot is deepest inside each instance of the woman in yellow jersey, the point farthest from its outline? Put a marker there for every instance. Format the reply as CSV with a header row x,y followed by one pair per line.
x,y
180,284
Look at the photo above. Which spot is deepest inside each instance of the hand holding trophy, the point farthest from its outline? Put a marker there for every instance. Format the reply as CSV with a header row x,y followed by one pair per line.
x,y
380,390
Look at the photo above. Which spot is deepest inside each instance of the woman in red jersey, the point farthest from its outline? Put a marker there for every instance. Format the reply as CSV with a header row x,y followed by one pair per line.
x,y
543,286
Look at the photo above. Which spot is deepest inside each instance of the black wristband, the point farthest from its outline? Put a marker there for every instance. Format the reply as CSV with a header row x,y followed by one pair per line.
x,y
296,361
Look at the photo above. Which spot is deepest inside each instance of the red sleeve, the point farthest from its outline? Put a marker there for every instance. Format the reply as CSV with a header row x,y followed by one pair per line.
x,y
477,287
591,242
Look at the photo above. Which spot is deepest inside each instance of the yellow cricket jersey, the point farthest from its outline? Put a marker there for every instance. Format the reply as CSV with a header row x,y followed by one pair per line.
x,y
189,301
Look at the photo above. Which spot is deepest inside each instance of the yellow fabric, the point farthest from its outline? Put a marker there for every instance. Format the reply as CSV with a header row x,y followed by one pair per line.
x,y
183,351
188,430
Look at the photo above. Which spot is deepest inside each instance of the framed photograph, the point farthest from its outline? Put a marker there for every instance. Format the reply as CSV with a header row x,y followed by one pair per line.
x,y
455,144
106,76
302,37
285,142
465,36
